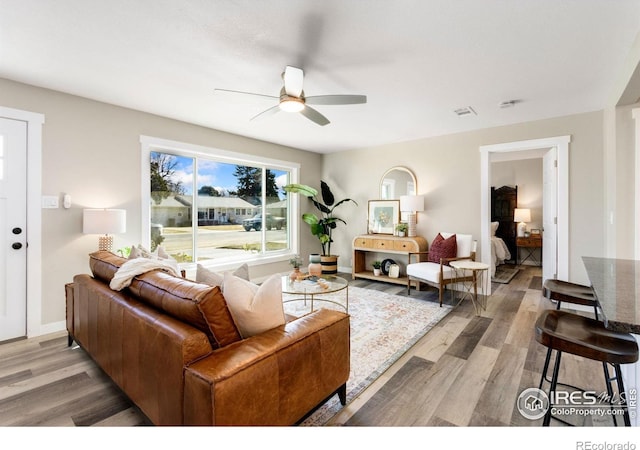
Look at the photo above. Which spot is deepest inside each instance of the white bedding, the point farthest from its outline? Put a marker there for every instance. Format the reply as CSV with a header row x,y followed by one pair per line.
x,y
499,253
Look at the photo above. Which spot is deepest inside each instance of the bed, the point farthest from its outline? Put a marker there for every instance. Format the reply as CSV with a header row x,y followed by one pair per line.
x,y
499,250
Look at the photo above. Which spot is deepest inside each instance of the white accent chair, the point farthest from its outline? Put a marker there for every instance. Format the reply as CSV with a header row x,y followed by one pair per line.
x,y
439,275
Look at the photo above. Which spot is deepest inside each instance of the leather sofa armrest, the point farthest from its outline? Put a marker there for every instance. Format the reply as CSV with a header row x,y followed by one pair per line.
x,y
274,378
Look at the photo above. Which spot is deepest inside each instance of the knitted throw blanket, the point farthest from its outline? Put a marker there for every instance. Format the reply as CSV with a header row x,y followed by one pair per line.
x,y
137,266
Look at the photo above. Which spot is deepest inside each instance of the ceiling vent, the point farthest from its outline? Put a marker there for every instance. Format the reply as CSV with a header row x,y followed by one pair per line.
x,y
508,103
467,110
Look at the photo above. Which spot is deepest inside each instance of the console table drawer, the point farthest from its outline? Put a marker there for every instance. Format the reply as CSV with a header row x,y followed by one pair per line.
x,y
363,242
383,244
534,242
406,246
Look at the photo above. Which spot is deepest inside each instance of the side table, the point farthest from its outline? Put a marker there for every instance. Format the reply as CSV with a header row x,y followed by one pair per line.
x,y
478,270
530,244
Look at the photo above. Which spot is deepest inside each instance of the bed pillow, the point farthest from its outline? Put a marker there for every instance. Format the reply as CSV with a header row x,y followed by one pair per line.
x,y
494,228
443,248
254,308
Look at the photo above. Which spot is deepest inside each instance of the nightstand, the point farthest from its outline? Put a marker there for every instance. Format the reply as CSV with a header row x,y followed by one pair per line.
x,y
529,244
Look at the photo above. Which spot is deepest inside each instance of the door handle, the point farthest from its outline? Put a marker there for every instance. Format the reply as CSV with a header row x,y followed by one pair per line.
x,y
16,245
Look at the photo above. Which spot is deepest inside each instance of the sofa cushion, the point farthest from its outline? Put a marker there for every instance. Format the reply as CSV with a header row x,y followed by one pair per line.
x,y
206,276
442,248
175,296
104,265
213,307
180,298
254,308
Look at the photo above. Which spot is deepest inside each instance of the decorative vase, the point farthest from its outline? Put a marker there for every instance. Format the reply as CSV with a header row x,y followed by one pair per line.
x,y
315,268
293,276
329,264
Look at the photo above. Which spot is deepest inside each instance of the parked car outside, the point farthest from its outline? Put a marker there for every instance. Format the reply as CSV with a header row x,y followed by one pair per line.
x,y
255,222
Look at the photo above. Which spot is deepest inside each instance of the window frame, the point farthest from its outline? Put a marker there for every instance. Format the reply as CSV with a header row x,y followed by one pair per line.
x,y
154,144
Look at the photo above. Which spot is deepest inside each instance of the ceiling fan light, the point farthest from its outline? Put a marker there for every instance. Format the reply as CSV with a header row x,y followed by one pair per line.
x,y
291,105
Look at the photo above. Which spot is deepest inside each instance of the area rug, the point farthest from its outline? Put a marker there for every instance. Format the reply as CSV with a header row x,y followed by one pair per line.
x,y
504,274
383,327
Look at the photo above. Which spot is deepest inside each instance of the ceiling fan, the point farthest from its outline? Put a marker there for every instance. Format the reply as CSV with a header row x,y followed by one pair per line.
x,y
292,98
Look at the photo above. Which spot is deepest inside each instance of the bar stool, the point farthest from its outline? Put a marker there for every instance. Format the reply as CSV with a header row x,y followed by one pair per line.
x,y
582,336
564,291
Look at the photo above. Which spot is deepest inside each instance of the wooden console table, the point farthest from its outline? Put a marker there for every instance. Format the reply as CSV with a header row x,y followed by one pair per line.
x,y
380,243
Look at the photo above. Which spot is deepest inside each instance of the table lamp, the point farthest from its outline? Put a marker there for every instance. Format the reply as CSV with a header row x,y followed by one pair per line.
x,y
104,222
412,204
522,215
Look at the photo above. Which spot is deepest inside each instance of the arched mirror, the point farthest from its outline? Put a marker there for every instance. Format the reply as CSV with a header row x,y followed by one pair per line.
x,y
397,181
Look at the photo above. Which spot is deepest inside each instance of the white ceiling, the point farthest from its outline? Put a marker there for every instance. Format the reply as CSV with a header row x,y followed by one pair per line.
x,y
416,60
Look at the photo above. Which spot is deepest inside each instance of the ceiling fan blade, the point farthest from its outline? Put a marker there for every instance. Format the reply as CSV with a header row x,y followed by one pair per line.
x,y
267,112
314,116
229,91
336,99
293,78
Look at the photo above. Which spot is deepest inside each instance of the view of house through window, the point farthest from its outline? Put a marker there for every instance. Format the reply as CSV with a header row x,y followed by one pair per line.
x,y
204,209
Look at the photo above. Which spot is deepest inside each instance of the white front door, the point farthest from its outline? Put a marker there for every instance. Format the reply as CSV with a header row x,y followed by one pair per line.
x,y
549,215
13,233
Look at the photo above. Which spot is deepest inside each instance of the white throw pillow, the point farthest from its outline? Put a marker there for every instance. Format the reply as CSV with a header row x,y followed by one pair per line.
x,y
254,308
206,276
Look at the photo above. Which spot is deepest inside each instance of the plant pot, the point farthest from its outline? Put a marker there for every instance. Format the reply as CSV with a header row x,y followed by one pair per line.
x,y
329,264
376,272
293,276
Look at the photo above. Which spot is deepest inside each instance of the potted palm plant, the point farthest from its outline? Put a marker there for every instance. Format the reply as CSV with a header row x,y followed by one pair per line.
x,y
322,226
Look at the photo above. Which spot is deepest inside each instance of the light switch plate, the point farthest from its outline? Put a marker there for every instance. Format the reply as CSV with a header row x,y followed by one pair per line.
x,y
49,201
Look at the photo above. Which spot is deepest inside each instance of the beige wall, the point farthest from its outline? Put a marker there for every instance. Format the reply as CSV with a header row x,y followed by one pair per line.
x,y
91,150
448,174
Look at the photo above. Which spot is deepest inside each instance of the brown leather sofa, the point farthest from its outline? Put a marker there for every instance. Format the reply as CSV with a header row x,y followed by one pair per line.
x,y
151,339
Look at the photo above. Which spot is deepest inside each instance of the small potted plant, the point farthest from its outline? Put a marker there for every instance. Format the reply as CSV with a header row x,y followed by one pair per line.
x,y
376,267
295,262
401,229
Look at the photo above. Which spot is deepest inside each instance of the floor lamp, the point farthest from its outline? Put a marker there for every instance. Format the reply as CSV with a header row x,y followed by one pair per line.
x,y
412,204
104,222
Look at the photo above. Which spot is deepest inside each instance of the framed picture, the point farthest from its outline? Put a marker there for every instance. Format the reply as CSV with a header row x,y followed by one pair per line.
x,y
383,215
535,232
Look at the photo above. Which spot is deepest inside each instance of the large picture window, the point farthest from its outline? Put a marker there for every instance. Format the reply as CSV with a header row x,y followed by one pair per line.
x,y
207,207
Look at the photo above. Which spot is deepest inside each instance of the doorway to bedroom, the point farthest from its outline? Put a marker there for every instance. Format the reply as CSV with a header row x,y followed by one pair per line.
x,y
516,190
546,174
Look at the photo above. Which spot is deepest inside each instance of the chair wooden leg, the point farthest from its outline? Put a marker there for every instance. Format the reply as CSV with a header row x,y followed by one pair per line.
x,y
440,294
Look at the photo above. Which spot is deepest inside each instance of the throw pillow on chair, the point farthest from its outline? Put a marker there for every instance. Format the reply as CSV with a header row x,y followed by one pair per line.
x,y
443,248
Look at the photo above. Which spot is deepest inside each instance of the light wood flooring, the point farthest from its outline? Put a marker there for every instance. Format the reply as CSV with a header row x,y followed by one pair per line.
x,y
467,371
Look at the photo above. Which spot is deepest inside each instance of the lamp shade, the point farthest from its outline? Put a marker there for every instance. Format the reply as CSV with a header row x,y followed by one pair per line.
x,y
522,215
104,221
411,203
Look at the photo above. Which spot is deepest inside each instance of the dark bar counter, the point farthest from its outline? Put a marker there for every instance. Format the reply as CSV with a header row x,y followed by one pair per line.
x,y
616,283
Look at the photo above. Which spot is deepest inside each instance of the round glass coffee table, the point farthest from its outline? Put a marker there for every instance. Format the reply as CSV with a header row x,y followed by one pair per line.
x,y
315,290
